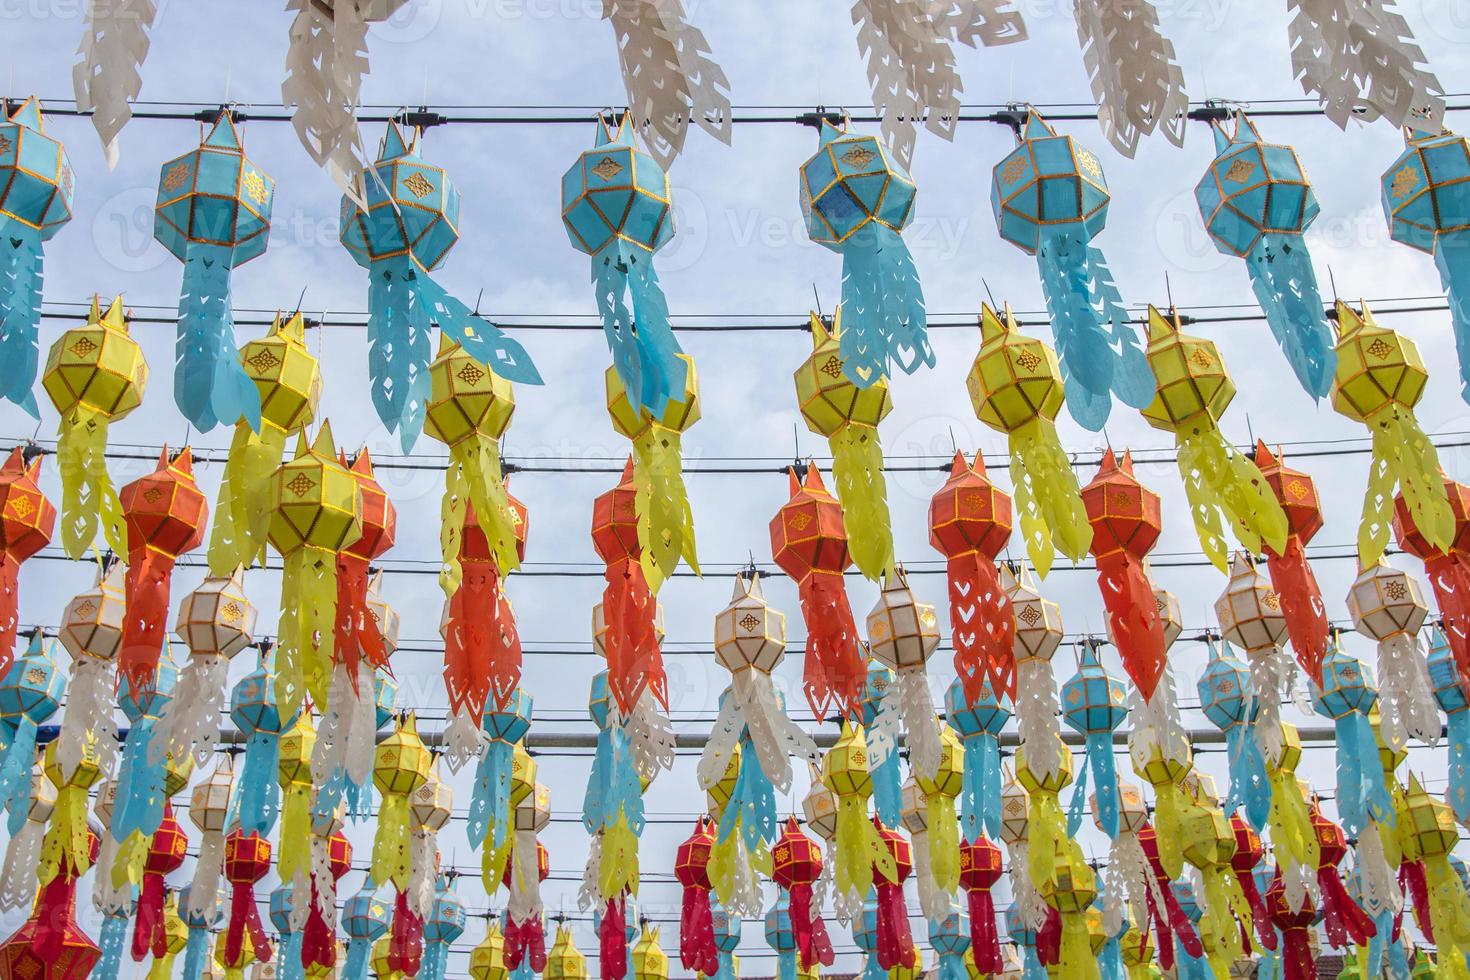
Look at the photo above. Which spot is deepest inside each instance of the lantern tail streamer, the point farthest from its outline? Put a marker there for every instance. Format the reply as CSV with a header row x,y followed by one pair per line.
x,y
651,736
1452,258
189,724
1250,787
349,725
475,477
666,530
1219,480
22,857
258,795
1047,500
1037,709
1301,604
303,660
859,848
1449,576
20,312
405,938
918,721
1402,455
723,739
204,886
883,307
834,673
857,466
633,659
210,384
635,321
982,626
242,516
1135,79
980,792
88,497
88,723
15,775
392,859
1405,693
1133,619
399,348
1286,287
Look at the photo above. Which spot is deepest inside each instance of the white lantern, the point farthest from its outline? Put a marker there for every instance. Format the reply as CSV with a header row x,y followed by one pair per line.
x,y
91,630
1388,607
903,632
209,809
216,621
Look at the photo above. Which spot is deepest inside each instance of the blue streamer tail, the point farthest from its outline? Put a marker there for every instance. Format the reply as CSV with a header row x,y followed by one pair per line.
x,y
1083,352
20,313
111,942
1105,779
635,320
1133,379
258,794
196,953
883,319
1286,287
289,965
140,783
480,338
628,789
491,796
1079,801
757,797
1458,723
972,788
990,784
888,791
210,384
1452,258
15,784
399,348
786,961
356,964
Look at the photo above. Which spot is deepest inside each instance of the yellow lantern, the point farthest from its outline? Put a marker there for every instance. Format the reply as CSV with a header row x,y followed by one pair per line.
x,y
1380,378
1427,832
1016,387
66,835
1070,888
564,961
1209,846
848,416
939,792
487,960
650,962
95,374
289,381
1046,827
1138,953
400,767
665,522
1221,483
316,511
1165,771
177,938
858,846
380,960
470,407
294,765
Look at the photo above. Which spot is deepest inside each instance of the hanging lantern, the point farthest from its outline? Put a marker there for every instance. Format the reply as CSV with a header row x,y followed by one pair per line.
x,y
365,920
1347,696
1016,387
857,200
247,860
1291,575
1126,896
1387,606
1294,922
1208,847
1015,830
616,206
525,930
941,828
865,936
1423,210
288,382
293,769
26,521
1050,200
257,714
1344,919
444,925
287,964
697,949
489,817
30,693
781,937
1092,703
1045,826
634,661
215,621
1250,617
1138,954
405,225
858,847
809,542
50,945
1222,484
213,213
1023,937
316,512
978,722
1226,699
969,523
727,940
331,858
429,810
564,961
23,852
650,962
1427,834
1069,891
1038,634
209,805
1293,841
647,726
1244,863
903,632
881,730
1166,775
847,414
980,869
796,864
487,960
199,932
36,202
400,767
95,374
91,631
1256,202
819,810
950,937
1448,566
612,807
1172,925
1380,378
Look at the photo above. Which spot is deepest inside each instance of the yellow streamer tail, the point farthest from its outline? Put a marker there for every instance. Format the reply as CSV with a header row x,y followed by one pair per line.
x,y
1451,911
944,843
66,835
1047,499
452,510
87,494
304,646
723,860
127,862
1045,832
857,467
391,858
242,514
1220,481
1076,959
1403,456
294,850
479,458
1169,826
665,520
493,861
1292,836
857,848
619,868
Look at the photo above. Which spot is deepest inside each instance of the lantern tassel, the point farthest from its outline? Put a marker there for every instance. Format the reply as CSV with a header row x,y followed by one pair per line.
x,y
87,494
210,384
196,953
1301,605
1452,259
882,307
1405,693
524,903
308,621
20,312
1048,502
1449,576
391,856
882,738
619,859
399,347
345,741
294,850
242,514
1037,709
474,477
980,792
22,858
146,588
1220,481
405,938
258,794
666,523
1402,455
208,867
857,466
920,731
834,673
635,321
1250,788
1361,788
420,890
1133,619
944,846
1286,287
652,737
859,848
188,724
140,798
15,775
88,718
633,658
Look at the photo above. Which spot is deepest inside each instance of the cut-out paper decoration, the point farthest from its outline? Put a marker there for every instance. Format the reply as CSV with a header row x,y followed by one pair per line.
x,y
1361,61
1055,219
1174,932
1022,934
650,962
1245,863
209,810
215,621
30,693
403,230
1256,202
1069,893
400,767
1249,614
1427,835
23,850
293,770
612,807
525,930
331,857
1125,896
883,728
144,786
848,415
950,938
35,202
165,514
1167,774
1038,634
247,861
199,932
1450,693
1347,695
857,847
288,380
796,864
490,815
68,840
91,631
1046,864
50,943
288,937
1447,565
1224,921
564,961
978,722
175,939
1222,484
27,519
902,633
1015,829
261,719
1293,841
1136,80
213,213
1291,575
969,523
1227,700
429,810
617,207
1388,608
365,921
980,869
942,829
634,661
895,942
113,892
819,809
108,74
857,200
1380,378
697,950
316,512
444,925
95,375
809,543
1093,706
909,54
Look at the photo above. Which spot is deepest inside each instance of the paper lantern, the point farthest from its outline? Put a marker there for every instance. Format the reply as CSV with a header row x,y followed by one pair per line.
x,y
1227,701
444,925
980,869
50,944
294,752
144,784
796,865
1166,774
1387,606
902,633
165,854
490,808
613,803
1038,634
1244,862
564,961
247,861
978,722
1344,919
213,213
288,382
365,920
1448,565
1294,923
1291,575
1069,891
400,767
939,790
95,374
400,229
1092,706
1225,912
331,856
809,542
1427,833
617,207
26,521
1249,613
525,930
857,200
429,809
1045,825
176,938
35,203
30,693
1015,387
950,937
697,949
1172,925
215,621
261,719
633,656
650,962
727,939
209,805
1347,695
1256,202
288,934
91,631
856,842
1126,896
780,936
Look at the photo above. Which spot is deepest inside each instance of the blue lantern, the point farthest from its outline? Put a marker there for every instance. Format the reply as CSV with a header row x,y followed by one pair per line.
x,y
444,925
1346,696
1426,199
213,213
254,711
1024,937
1093,706
727,939
780,937
978,724
200,925
30,693
490,802
288,961
1256,202
616,206
140,781
1450,693
1225,698
409,225
752,803
35,201
1050,199
857,200
950,937
613,786
365,920
887,781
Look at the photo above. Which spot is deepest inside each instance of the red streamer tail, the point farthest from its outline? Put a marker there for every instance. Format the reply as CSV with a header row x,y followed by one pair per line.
x,y
406,939
612,938
1301,605
1260,917
1049,939
505,645
633,658
9,608
984,937
1449,575
835,672
1345,919
1128,596
146,622
697,949
467,641
1297,955
1163,938
150,938
245,923
1413,881
895,941
822,950
318,943
982,626
356,632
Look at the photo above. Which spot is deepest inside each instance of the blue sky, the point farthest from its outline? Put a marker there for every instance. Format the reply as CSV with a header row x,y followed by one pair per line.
x,y
740,250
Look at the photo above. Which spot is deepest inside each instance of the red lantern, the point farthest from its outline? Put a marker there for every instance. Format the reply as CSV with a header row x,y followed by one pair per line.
x,y
1125,520
405,937
1248,854
165,856
796,864
1295,926
612,936
809,542
697,950
980,869
26,521
969,523
634,661
165,513
318,938
1171,920
526,940
1344,919
247,859
1448,570
1291,576
895,942
356,632
50,945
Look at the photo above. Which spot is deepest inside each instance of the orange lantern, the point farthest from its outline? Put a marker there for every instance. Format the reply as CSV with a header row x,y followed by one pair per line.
x,y
1291,576
1448,567
26,521
634,662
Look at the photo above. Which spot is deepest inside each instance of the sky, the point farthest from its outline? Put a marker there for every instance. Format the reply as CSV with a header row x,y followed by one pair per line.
x,y
740,253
